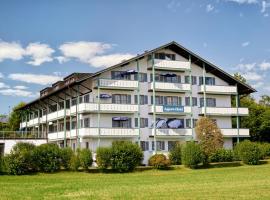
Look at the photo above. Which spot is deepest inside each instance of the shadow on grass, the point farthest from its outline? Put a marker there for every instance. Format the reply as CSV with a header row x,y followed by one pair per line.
x,y
220,165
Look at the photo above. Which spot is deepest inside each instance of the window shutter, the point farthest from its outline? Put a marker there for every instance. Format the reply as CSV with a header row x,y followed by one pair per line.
x,y
135,99
179,101
201,80
152,101
129,99
136,122
113,98
187,101
145,99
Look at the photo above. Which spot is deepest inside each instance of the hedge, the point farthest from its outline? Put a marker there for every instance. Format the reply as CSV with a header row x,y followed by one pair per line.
x,y
175,155
159,161
222,155
192,155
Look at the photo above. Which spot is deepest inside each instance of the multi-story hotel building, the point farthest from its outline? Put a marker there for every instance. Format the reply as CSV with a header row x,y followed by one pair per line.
x,y
154,99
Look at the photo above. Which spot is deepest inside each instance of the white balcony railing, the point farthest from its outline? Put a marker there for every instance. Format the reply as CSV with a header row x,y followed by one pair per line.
x,y
172,132
172,65
105,108
218,89
161,110
33,122
230,132
118,84
171,87
217,111
58,114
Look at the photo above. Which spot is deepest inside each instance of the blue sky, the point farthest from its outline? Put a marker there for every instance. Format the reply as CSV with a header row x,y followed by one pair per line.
x,y
43,41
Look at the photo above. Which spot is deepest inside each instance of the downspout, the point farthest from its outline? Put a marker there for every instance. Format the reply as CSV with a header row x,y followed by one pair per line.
x,y
65,125
138,103
190,99
237,117
204,90
154,101
98,94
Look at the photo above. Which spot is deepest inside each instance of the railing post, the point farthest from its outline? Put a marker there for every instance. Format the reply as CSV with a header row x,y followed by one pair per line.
x,y
154,100
78,117
70,119
65,121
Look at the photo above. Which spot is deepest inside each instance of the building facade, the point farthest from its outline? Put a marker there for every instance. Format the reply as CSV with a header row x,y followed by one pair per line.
x,y
154,99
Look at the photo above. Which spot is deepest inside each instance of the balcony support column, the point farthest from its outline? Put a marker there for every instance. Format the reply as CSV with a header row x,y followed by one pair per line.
x,y
26,124
190,98
138,103
98,94
57,120
70,119
47,124
154,101
77,117
204,91
38,123
237,116
42,128
65,121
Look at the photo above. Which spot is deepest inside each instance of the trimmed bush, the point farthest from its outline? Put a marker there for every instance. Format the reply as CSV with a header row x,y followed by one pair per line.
x,y
75,162
66,155
85,158
159,161
48,157
265,150
125,156
2,164
103,157
249,152
222,155
192,155
21,159
175,155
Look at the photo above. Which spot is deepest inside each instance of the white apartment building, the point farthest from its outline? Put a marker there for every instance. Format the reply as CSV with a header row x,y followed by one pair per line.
x,y
126,102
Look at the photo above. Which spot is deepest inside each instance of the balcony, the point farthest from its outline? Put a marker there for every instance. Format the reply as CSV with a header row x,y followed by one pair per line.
x,y
215,111
169,87
93,132
170,110
169,132
230,132
218,89
23,124
117,84
170,65
105,108
57,115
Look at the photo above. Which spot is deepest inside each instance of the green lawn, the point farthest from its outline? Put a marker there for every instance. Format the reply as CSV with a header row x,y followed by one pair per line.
x,y
241,182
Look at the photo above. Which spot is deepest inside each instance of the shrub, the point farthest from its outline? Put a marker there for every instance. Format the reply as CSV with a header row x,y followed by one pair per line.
x,y
66,155
159,161
125,156
175,155
192,155
85,158
103,157
48,157
2,164
248,152
21,159
75,162
265,150
222,155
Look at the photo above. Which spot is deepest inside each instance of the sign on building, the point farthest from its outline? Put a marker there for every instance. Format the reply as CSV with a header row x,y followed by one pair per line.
x,y
167,108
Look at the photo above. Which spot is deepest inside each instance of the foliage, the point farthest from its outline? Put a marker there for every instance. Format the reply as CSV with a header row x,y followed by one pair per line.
x,y
265,150
85,158
249,152
66,155
21,160
175,155
15,117
75,162
192,154
2,164
48,157
222,155
125,156
159,161
103,157
209,136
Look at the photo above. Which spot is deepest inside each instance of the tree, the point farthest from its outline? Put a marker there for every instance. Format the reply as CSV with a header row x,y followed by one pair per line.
x,y
15,117
265,100
239,77
209,136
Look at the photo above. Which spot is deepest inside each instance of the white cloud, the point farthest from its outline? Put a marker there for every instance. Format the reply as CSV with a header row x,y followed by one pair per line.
x,y
35,78
258,84
1,75
252,76
17,92
62,59
244,1
109,60
265,5
3,85
245,44
12,51
264,65
39,53
209,8
173,5
20,87
246,67
82,50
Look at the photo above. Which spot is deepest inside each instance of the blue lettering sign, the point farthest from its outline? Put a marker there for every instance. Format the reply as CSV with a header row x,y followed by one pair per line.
x,y
173,108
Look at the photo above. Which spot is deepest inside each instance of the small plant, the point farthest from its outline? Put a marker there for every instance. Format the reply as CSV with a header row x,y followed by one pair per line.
x,y
103,157
249,152
159,161
85,158
175,155
222,155
75,162
192,155
125,156
66,155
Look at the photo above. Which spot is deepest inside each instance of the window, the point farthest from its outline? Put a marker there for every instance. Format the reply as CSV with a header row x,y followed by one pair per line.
x,y
86,98
188,123
208,81
164,56
194,101
143,99
142,77
210,102
122,124
173,101
86,122
144,145
87,145
119,75
171,145
161,78
143,122
73,124
159,100
73,102
121,99
194,80
160,145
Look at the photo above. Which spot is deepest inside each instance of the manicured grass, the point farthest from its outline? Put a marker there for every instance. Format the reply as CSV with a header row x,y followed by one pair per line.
x,y
241,182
